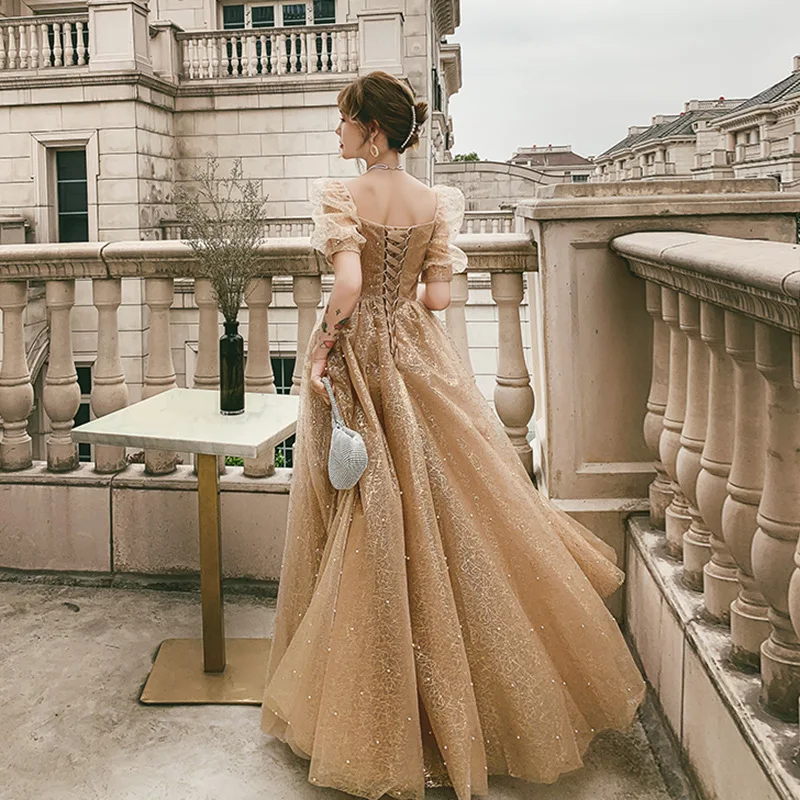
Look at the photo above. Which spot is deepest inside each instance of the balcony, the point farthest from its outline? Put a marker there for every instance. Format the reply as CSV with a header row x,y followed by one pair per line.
x,y
666,375
45,43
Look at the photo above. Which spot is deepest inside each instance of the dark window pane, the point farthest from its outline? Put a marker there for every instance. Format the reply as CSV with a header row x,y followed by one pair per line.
x,y
83,416
263,16
294,14
324,12
73,228
232,17
71,165
72,197
85,379
283,368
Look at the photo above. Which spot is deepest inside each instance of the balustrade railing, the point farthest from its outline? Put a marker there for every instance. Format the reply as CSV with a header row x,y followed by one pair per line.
x,y
723,425
506,257
482,222
32,43
269,51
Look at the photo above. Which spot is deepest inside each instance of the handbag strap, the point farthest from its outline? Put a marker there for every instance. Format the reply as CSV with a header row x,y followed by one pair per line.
x,y
336,417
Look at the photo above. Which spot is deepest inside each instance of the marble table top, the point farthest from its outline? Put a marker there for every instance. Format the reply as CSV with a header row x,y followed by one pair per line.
x,y
189,421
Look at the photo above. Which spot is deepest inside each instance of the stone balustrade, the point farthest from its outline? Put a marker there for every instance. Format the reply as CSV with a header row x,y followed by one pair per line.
x,y
269,51
44,42
725,394
484,222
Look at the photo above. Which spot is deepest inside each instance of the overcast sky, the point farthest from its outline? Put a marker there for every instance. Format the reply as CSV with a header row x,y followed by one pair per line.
x,y
580,72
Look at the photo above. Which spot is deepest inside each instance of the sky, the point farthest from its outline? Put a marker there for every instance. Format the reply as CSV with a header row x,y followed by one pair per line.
x,y
581,72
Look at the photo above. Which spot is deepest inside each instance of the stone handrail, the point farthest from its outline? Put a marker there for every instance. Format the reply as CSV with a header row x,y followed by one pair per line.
x,y
269,51
278,227
723,425
505,256
31,43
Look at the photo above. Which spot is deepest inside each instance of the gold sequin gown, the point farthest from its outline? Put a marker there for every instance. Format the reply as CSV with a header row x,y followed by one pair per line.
x,y
441,621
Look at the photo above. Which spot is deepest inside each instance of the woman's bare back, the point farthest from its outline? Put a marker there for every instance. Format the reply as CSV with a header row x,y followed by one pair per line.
x,y
392,198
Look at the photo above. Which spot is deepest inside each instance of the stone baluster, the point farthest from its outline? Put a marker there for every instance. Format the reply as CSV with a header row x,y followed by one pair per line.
x,y
275,56
697,539
676,517
302,43
263,59
160,374
513,395
34,46
58,49
187,59
660,492
258,374
213,56
62,394
45,49
23,47
307,292
794,585
16,392
313,52
779,522
352,47
456,316
12,48
749,624
3,54
334,48
81,49
69,51
343,54
109,390
720,586
206,372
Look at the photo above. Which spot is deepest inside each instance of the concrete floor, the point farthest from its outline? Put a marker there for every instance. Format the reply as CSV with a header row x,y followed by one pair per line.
x,y
73,661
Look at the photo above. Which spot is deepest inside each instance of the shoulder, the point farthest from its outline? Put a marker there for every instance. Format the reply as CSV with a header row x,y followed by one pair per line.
x,y
450,205
331,193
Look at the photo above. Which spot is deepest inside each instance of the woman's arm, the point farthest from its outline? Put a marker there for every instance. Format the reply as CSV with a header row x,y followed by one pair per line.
x,y
344,296
434,295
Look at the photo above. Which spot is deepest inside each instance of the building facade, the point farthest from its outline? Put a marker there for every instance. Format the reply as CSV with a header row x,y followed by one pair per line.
x,y
557,162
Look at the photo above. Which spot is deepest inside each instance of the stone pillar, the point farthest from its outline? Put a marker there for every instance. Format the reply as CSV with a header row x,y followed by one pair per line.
x,y
660,492
119,36
720,586
160,374
307,292
258,374
62,394
456,316
696,540
109,390
749,624
779,522
16,392
676,516
380,40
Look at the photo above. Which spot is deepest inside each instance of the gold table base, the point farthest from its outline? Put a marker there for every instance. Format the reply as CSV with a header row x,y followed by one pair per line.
x,y
178,676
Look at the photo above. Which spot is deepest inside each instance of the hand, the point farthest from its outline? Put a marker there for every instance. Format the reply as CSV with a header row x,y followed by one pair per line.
x,y
319,368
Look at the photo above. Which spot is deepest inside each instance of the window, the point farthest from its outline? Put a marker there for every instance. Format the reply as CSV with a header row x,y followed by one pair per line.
x,y
580,179
324,12
72,196
294,14
283,369
84,410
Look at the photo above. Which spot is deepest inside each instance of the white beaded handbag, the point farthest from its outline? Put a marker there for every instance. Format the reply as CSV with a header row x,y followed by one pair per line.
x,y
347,458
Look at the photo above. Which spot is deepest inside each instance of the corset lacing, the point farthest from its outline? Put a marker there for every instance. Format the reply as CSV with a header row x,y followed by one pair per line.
x,y
395,249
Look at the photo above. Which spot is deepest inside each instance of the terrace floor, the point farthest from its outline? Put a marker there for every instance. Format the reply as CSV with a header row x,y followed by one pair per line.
x,y
73,660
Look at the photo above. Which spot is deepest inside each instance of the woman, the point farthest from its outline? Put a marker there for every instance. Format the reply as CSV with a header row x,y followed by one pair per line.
x,y
441,621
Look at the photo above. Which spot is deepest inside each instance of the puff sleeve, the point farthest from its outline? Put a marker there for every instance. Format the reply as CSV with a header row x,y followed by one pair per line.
x,y
335,219
443,258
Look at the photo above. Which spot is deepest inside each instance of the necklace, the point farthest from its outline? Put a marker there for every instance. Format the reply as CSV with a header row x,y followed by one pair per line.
x,y
381,165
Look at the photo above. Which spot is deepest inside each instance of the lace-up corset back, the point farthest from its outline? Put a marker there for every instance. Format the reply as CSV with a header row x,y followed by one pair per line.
x,y
392,257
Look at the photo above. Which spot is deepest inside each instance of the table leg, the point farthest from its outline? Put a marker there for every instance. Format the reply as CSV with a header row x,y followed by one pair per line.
x,y
210,564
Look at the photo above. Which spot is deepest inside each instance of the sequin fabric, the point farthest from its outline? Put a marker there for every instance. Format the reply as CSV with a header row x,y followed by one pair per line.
x,y
441,621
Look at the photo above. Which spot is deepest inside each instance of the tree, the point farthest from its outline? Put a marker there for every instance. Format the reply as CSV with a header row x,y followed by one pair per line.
x,y
222,221
473,156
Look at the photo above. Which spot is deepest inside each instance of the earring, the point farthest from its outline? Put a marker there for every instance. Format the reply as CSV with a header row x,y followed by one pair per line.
x,y
373,150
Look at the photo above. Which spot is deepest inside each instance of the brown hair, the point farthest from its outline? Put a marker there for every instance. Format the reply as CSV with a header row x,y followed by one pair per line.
x,y
383,99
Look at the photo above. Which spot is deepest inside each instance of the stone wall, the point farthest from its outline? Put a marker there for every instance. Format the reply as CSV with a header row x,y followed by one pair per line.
x,y
488,185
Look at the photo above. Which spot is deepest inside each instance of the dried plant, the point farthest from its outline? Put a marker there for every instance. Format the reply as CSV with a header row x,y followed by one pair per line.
x,y
221,219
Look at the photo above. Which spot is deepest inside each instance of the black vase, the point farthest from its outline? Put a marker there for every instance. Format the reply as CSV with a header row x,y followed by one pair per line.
x,y
231,370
